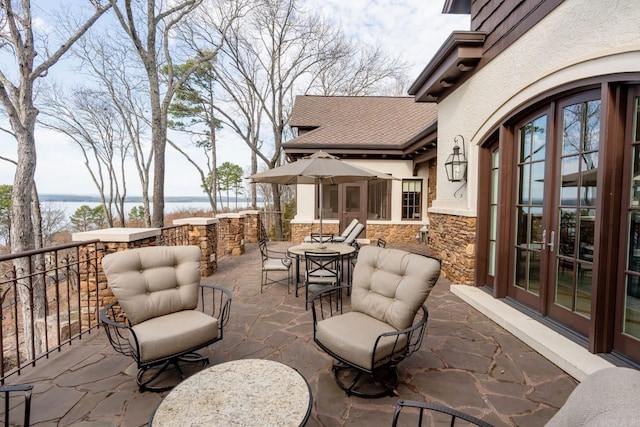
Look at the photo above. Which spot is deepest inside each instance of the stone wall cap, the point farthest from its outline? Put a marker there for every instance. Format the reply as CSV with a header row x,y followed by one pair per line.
x,y
230,215
116,234
195,221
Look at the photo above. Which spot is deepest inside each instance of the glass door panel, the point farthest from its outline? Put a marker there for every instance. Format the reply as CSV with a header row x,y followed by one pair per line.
x,y
530,234
631,300
576,207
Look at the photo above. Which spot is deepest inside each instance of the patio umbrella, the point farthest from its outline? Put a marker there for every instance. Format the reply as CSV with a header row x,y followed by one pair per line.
x,y
318,168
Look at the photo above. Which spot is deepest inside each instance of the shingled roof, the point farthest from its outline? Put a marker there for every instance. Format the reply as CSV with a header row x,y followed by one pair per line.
x,y
359,122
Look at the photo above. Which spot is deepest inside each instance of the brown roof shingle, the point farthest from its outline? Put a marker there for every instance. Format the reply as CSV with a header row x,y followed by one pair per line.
x,y
359,120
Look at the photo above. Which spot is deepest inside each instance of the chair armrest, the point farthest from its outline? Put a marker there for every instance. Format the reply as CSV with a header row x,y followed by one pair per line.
x,y
117,332
217,303
422,406
414,334
326,304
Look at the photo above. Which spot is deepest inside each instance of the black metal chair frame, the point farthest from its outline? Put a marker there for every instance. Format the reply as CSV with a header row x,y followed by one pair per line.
x,y
27,389
383,367
422,406
284,259
124,340
322,270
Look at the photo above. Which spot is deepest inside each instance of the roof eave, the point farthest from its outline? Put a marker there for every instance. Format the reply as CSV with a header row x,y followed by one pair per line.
x,y
452,63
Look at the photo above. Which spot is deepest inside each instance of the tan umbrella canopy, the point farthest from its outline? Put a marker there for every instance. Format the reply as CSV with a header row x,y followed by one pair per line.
x,y
318,168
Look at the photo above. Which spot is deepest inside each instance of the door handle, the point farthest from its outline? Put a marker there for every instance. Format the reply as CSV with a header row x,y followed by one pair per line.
x,y
551,243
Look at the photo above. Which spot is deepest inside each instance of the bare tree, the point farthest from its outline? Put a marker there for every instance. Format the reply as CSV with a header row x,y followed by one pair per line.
x,y
365,71
30,58
88,117
154,29
110,63
275,51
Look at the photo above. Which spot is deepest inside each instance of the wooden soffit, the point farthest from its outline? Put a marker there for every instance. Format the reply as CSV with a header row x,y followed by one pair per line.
x,y
454,62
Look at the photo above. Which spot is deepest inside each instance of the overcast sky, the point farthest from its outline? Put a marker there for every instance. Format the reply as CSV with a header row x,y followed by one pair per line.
x,y
412,29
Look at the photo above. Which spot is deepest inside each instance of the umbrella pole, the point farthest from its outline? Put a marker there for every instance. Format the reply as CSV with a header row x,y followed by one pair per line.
x,y
320,195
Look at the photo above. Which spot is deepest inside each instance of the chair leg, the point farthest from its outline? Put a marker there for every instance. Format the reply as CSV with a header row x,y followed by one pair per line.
x,y
144,384
379,383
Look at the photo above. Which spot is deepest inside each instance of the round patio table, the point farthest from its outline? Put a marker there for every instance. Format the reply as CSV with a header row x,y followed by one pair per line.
x,y
238,393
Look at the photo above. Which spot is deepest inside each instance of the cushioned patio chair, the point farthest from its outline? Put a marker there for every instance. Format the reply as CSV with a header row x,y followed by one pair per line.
x,y
386,323
345,233
353,235
274,262
163,314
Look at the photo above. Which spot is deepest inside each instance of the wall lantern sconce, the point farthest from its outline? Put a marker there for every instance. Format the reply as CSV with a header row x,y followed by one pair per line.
x,y
456,164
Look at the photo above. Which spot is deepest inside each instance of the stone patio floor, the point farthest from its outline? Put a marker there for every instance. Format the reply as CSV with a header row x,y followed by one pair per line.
x,y
466,362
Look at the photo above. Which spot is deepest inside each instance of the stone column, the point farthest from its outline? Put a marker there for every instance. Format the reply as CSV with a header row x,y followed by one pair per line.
x,y
93,285
203,232
230,234
251,226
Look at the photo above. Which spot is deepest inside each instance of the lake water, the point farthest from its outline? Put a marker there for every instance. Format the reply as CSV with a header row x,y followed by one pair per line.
x,y
169,207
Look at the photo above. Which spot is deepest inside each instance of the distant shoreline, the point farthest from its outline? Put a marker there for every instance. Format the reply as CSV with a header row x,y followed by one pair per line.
x,y
76,198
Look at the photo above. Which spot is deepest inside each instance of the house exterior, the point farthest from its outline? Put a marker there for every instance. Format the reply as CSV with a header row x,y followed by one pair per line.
x,y
393,135
546,95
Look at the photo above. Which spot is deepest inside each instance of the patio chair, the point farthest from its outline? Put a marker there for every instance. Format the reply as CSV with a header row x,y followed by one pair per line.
x,y
8,390
323,272
274,262
316,238
345,233
422,406
354,234
157,318
382,242
386,323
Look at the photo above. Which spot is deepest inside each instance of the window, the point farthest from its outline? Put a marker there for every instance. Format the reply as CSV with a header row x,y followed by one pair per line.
x,y
329,202
378,200
411,199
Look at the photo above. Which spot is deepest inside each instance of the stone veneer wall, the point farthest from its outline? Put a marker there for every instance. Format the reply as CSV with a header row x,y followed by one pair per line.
x,y
393,233
251,226
452,238
230,234
300,231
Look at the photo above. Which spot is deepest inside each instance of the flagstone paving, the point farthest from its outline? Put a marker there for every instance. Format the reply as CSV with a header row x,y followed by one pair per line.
x,y
466,362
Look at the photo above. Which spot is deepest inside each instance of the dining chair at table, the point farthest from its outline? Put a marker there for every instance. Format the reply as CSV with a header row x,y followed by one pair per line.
x,y
322,272
274,262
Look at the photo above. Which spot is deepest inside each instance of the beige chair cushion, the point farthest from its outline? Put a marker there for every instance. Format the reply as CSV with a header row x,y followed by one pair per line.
x,y
355,343
605,398
391,285
153,281
174,333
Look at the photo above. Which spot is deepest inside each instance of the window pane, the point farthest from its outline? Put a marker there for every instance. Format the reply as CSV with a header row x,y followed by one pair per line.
x,y
411,199
378,200
539,138
329,202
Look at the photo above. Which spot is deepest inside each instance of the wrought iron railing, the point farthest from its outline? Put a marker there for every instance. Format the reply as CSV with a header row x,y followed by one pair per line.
x,y
49,298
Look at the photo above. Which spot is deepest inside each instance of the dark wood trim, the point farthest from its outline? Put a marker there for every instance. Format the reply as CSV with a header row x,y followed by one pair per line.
x,y
603,303
483,222
628,346
506,201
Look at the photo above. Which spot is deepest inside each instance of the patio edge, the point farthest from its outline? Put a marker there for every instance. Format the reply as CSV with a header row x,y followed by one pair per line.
x,y
564,353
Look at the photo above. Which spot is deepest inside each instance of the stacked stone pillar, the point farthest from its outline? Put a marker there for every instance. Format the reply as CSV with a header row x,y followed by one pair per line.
x,y
251,226
203,232
230,234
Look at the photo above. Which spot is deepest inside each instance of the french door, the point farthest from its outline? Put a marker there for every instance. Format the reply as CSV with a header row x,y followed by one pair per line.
x,y
353,203
627,335
555,209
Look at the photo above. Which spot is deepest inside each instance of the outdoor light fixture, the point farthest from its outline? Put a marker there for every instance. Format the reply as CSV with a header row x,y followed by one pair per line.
x,y
456,164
